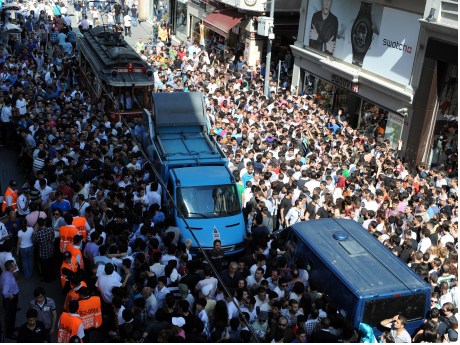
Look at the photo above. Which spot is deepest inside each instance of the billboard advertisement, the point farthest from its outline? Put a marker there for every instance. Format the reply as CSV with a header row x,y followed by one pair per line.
x,y
379,39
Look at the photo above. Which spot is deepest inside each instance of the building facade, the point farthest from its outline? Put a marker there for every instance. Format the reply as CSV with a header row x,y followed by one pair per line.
x,y
382,58
229,27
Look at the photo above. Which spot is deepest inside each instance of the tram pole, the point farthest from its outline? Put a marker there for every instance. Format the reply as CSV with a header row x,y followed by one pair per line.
x,y
268,61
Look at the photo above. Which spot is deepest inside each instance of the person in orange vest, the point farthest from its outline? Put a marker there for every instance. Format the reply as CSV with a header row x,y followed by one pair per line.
x,y
67,233
89,309
69,268
75,284
75,250
70,324
81,224
11,196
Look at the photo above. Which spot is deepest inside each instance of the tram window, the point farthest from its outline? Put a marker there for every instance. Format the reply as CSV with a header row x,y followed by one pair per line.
x,y
139,95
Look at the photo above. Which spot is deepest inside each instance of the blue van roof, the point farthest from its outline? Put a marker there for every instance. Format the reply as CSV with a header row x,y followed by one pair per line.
x,y
189,149
357,258
203,176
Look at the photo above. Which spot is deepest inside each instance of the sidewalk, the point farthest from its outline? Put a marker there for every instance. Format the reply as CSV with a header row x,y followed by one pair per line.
x,y
142,30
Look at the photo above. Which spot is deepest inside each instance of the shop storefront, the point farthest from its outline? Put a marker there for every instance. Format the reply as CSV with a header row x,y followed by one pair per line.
x,y
445,136
339,96
223,34
179,19
196,11
362,57
434,135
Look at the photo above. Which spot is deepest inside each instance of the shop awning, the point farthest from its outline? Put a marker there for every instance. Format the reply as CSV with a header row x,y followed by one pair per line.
x,y
223,21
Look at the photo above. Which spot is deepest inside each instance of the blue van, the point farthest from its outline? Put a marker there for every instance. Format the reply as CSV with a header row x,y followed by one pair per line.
x,y
365,279
177,140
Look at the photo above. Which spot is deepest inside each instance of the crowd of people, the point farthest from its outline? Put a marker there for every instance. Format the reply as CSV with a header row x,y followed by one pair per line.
x,y
90,216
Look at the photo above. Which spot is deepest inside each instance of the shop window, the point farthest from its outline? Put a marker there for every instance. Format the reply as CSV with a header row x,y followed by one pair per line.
x,y
445,135
181,20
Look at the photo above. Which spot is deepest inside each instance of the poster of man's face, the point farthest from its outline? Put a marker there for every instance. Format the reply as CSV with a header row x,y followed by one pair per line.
x,y
388,51
324,28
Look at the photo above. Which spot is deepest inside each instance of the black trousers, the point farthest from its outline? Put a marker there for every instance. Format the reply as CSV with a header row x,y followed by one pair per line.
x,y
10,306
48,269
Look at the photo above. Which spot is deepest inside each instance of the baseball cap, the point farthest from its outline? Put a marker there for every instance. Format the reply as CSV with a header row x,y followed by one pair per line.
x,y
178,321
183,289
67,255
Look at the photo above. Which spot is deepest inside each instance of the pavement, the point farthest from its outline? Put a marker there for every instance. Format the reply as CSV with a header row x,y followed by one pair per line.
x,y
142,30
12,170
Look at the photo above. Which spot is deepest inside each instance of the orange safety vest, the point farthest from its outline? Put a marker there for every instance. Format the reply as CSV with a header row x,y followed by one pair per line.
x,y
67,233
76,251
73,266
80,224
73,295
14,195
68,327
90,312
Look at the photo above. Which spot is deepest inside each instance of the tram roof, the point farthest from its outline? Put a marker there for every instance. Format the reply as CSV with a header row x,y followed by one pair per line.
x,y
108,51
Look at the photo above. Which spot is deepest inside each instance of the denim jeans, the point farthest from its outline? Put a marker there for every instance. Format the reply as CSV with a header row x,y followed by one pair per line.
x,y
27,259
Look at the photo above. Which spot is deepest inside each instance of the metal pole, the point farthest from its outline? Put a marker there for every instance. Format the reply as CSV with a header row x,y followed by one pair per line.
x,y
279,75
269,52
360,112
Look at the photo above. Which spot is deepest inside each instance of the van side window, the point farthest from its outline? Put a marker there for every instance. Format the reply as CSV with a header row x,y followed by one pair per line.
x,y
412,306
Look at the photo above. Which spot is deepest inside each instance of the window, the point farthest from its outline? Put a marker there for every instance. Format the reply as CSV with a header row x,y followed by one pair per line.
x,y
208,201
181,20
411,306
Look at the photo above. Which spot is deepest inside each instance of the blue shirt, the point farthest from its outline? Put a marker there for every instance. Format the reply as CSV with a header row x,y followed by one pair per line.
x,y
64,205
9,285
246,177
334,127
158,217
91,250
432,210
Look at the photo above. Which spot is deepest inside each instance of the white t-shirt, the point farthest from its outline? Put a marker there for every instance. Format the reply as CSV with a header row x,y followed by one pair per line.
x,y
401,338
127,20
21,105
106,283
4,257
6,114
26,237
3,233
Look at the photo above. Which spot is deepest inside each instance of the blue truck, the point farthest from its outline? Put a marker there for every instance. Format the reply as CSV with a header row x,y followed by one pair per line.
x,y
364,278
194,170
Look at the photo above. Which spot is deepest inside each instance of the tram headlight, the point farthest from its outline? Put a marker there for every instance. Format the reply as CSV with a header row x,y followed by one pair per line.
x,y
114,74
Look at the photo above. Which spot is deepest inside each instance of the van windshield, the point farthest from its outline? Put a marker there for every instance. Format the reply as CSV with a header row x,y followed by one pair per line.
x,y
208,201
411,306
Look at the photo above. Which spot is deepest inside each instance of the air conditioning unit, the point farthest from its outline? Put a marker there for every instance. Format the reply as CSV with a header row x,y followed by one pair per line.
x,y
252,5
264,26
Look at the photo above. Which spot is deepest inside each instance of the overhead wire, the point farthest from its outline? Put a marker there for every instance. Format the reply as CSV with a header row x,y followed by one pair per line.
x,y
181,215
